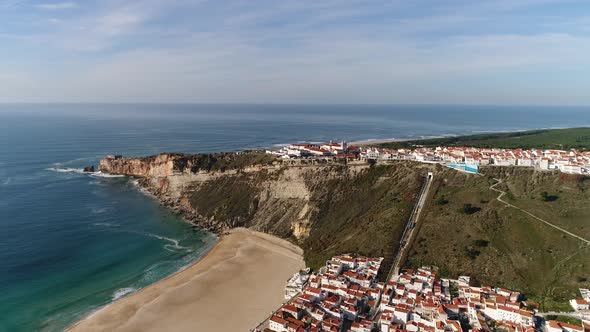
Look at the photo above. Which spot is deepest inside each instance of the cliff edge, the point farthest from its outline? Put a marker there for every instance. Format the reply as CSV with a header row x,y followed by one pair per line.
x,y
326,208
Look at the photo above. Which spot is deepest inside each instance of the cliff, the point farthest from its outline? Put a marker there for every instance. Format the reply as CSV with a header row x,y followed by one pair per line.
x,y
324,208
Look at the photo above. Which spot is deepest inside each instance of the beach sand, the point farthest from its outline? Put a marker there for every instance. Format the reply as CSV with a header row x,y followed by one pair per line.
x,y
233,288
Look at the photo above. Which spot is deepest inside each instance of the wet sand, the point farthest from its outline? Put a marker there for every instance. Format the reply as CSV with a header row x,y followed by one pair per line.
x,y
233,288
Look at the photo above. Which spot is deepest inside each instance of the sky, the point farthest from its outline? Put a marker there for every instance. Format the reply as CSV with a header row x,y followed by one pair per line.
x,y
533,52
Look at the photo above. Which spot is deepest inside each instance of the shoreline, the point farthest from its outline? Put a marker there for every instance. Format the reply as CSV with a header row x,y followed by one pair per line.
x,y
393,140
184,268
244,252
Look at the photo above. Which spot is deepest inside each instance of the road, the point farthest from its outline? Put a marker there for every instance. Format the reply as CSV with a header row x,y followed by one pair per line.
x,y
578,315
502,193
410,226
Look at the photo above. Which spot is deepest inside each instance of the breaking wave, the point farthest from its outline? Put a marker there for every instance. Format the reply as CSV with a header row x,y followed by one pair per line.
x,y
81,171
66,170
105,175
119,293
175,244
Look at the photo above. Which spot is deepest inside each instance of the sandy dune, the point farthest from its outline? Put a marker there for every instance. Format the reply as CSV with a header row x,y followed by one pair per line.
x,y
233,288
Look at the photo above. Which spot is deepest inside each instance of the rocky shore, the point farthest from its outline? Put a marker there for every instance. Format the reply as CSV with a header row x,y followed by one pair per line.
x,y
155,173
175,205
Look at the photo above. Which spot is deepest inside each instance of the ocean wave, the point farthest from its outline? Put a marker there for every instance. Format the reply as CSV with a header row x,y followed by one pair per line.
x,y
119,293
106,224
99,210
105,175
175,244
6,181
81,171
66,170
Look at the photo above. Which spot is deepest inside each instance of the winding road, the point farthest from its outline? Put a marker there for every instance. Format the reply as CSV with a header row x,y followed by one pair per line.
x,y
502,193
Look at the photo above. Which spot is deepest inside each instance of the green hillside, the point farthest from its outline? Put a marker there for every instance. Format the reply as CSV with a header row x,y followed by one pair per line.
x,y
503,246
571,138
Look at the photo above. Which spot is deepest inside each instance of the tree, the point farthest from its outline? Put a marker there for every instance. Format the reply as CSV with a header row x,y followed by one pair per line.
x,y
442,201
469,209
547,197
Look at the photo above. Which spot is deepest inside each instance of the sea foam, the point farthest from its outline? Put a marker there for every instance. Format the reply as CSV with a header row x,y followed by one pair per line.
x,y
119,293
81,171
175,243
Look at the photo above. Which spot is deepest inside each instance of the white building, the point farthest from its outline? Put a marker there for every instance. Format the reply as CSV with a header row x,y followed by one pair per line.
x,y
556,326
578,304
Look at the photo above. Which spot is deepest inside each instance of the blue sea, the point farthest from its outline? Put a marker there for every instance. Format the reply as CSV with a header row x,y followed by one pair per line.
x,y
71,243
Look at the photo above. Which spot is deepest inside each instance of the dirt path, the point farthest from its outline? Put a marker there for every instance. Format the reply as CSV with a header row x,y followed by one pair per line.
x,y
502,193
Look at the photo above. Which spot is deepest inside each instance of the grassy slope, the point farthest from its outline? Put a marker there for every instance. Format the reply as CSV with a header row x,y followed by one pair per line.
x,y
364,213
521,253
360,211
572,138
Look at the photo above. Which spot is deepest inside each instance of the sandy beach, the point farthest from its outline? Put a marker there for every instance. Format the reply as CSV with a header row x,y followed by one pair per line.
x,y
233,288
392,140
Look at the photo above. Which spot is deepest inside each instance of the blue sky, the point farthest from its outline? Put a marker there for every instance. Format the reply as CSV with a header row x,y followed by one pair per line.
x,y
332,51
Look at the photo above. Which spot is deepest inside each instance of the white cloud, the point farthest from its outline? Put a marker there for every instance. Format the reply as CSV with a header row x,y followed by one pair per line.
x,y
57,5
296,51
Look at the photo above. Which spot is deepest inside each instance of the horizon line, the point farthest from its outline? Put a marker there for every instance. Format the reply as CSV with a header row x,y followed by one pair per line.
x,y
295,104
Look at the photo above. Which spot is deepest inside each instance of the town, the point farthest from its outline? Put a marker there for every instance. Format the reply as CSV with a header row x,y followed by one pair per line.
x,y
462,158
345,295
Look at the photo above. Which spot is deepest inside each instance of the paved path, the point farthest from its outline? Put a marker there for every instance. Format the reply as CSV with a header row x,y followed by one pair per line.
x,y
411,225
578,315
502,193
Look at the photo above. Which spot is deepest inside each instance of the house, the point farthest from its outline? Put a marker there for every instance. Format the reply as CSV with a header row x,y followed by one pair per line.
x,y
372,154
317,151
557,326
362,326
579,304
571,168
277,324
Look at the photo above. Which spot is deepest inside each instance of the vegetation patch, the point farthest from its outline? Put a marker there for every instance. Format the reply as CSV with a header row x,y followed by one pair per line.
x,y
548,198
469,209
563,139
503,246
565,319
363,213
481,243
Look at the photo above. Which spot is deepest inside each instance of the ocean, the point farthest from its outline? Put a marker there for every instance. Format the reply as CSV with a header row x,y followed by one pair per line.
x,y
71,243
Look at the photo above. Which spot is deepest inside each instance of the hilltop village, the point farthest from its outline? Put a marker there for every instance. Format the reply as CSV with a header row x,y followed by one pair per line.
x,y
463,158
345,295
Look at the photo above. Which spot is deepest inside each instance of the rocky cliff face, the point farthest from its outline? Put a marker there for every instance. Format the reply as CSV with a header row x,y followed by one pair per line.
x,y
156,166
326,209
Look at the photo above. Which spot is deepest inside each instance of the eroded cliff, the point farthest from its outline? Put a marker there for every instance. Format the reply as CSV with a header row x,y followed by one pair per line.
x,y
325,208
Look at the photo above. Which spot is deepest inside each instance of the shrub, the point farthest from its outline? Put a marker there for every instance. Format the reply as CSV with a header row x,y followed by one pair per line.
x,y
548,198
473,253
481,243
442,201
470,209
